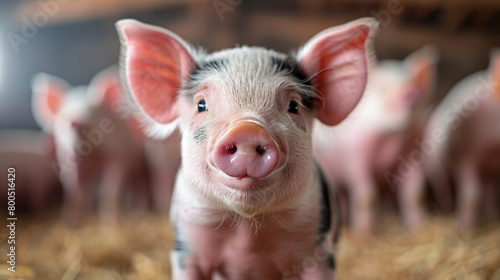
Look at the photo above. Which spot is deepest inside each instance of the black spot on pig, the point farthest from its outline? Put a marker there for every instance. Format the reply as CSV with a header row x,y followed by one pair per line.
x,y
325,207
330,262
200,133
180,246
202,69
289,67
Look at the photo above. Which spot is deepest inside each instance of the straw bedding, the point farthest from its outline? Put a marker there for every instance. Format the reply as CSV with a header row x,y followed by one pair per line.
x,y
138,249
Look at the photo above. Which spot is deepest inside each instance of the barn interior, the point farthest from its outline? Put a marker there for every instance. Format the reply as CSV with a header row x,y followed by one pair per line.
x,y
75,39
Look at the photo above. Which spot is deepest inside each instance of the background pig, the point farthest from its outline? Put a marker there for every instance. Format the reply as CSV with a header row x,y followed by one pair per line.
x,y
95,146
369,145
248,202
36,185
464,138
164,159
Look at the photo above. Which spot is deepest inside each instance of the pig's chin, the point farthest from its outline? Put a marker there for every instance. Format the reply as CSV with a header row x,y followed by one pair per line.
x,y
248,196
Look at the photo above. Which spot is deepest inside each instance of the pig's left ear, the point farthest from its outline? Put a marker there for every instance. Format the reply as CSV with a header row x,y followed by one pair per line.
x,y
105,87
155,65
422,66
495,71
47,99
338,60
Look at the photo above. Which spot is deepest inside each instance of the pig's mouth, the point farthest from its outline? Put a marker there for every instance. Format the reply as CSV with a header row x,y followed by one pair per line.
x,y
243,183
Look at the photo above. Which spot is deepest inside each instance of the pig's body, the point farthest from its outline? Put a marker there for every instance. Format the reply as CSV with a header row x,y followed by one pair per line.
x,y
369,145
95,146
164,159
36,184
465,135
249,202
289,244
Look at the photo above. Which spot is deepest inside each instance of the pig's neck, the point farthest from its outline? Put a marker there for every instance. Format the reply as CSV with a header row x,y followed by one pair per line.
x,y
190,207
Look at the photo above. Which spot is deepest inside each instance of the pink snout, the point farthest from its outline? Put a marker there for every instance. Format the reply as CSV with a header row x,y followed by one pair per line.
x,y
246,149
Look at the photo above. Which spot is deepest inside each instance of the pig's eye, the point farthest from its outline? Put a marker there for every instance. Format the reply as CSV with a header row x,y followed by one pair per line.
x,y
202,106
293,107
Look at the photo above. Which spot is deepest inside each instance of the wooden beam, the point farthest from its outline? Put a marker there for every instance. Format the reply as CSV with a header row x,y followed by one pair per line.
x,y
61,11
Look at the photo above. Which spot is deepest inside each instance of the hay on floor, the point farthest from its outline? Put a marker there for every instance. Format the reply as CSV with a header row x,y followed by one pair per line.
x,y
139,249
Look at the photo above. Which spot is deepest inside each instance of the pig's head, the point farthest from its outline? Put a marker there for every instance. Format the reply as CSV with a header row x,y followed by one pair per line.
x,y
67,111
245,113
407,85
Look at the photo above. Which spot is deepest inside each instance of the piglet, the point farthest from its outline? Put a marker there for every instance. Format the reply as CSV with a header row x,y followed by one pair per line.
x,y
97,147
29,153
463,145
163,158
364,153
249,202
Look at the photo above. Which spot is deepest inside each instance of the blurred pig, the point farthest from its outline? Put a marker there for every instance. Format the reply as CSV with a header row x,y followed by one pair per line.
x,y
464,144
37,187
362,152
164,159
249,202
94,145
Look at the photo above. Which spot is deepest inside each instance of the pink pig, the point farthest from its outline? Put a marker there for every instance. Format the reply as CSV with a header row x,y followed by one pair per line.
x,y
164,159
463,139
95,146
249,202
36,186
362,152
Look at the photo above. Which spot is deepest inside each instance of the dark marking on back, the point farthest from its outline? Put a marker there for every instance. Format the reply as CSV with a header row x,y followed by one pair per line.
x,y
290,67
200,133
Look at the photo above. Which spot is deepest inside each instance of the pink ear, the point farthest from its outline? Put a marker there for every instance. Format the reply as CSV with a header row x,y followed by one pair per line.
x,y
422,66
105,87
337,59
48,92
156,62
495,71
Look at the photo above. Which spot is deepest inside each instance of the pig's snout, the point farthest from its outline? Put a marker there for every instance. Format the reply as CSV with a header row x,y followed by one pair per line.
x,y
246,149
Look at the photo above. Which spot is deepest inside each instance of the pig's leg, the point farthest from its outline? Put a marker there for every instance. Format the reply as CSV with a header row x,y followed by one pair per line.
x,y
141,195
363,190
163,184
185,267
110,188
469,194
76,197
411,194
491,199
318,269
440,184
165,160
39,196
318,274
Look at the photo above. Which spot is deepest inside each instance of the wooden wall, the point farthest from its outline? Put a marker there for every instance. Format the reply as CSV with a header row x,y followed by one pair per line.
x,y
78,38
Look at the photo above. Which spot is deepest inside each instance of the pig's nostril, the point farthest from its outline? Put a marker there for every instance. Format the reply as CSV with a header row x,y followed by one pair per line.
x,y
231,149
260,149
246,150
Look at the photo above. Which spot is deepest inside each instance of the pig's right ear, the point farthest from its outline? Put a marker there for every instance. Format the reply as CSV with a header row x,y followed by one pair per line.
x,y
338,60
48,92
155,64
